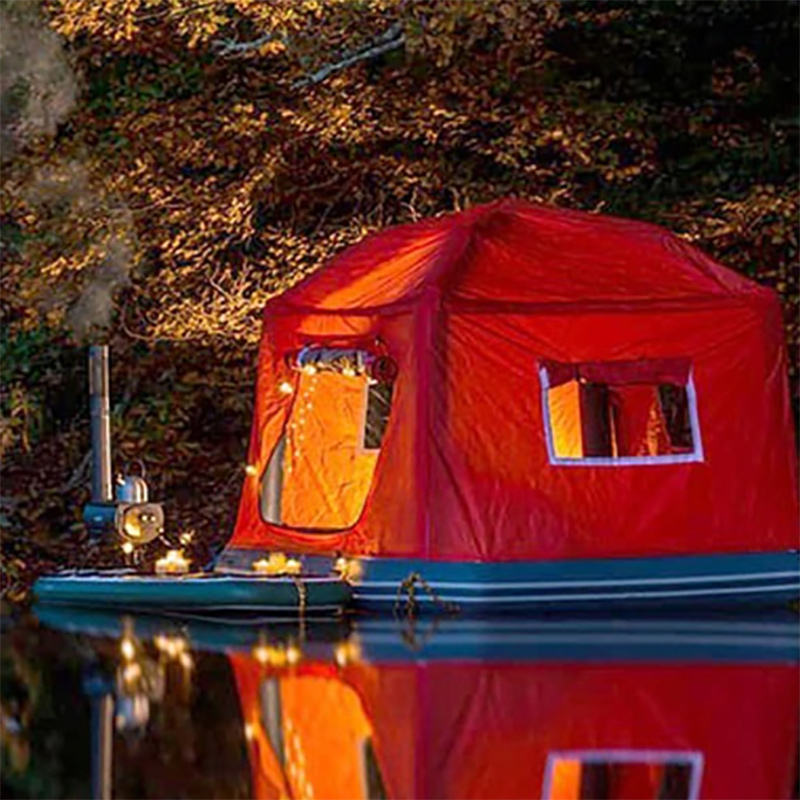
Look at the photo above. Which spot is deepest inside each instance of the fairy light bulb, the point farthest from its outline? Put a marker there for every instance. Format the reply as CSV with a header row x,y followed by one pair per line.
x,y
251,470
293,655
131,673
127,649
127,548
284,387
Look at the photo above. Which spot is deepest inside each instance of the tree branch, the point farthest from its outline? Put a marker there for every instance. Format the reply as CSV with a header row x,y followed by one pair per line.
x,y
228,47
391,39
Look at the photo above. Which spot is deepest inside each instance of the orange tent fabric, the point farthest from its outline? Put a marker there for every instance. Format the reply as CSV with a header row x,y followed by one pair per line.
x,y
472,307
323,733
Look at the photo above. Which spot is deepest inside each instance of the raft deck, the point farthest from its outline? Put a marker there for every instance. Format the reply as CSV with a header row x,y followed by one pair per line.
x,y
202,591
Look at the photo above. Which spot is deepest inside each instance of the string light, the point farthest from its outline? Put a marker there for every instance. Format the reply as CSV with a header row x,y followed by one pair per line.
x,y
172,646
186,538
127,648
131,673
310,369
293,655
127,548
276,655
284,387
251,470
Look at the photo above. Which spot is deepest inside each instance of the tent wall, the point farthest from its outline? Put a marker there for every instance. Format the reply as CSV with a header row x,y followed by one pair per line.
x,y
469,306
499,498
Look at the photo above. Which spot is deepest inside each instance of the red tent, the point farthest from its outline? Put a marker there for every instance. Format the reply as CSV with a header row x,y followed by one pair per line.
x,y
521,382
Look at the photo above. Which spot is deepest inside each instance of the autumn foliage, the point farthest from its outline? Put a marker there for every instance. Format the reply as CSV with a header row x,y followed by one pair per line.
x,y
223,149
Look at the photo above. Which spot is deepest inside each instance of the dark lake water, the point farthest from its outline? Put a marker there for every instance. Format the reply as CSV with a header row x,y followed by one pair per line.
x,y
150,707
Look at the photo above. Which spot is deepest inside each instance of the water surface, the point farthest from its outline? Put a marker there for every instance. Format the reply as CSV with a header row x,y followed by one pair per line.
x,y
168,707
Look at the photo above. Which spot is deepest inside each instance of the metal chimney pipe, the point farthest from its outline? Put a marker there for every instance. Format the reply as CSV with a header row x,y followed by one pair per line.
x,y
102,731
102,489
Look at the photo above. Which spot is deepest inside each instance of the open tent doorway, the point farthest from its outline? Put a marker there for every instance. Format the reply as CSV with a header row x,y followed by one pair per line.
x,y
322,467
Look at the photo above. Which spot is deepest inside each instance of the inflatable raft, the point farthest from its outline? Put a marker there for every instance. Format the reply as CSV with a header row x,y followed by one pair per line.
x,y
128,590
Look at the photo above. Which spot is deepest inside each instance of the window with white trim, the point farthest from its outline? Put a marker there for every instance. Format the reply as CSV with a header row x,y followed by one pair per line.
x,y
620,412
618,774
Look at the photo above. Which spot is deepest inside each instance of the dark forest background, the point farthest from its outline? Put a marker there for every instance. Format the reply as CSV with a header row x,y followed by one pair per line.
x,y
169,165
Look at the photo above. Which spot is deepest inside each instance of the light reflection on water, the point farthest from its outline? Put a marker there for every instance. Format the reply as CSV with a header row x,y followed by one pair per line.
x,y
151,707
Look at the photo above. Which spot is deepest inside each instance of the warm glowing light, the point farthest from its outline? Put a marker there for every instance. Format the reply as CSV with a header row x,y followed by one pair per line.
x,y
261,653
186,538
131,673
251,470
185,659
349,372
171,646
126,647
249,731
293,655
285,387
172,563
132,526
349,569
276,655
293,566
310,369
346,652
277,564
127,548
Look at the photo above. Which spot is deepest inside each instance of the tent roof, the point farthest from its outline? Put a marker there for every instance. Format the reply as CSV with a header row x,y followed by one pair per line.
x,y
514,253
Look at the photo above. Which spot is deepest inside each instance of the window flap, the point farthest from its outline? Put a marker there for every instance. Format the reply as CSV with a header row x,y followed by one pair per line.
x,y
620,373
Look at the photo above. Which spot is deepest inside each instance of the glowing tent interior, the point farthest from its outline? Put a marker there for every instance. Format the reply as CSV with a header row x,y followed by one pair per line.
x,y
520,383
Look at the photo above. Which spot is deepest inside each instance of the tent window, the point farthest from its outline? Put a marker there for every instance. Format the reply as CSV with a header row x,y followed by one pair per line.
x,y
620,413
322,467
619,775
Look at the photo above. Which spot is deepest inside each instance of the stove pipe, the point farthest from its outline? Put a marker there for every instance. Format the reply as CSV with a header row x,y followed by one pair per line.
x,y
102,490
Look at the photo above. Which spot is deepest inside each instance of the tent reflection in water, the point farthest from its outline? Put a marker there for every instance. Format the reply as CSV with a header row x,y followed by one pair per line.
x,y
517,385
560,731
